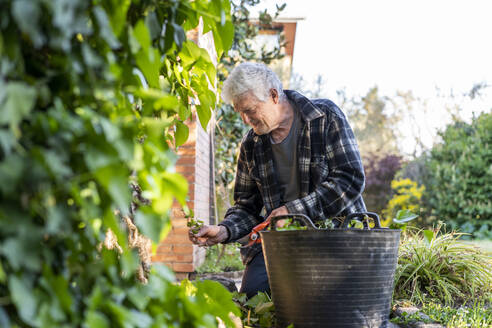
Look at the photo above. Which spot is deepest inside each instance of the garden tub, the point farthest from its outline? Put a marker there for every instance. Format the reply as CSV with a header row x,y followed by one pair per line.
x,y
341,277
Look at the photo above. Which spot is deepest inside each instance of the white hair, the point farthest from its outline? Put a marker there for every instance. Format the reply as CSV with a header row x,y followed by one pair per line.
x,y
254,77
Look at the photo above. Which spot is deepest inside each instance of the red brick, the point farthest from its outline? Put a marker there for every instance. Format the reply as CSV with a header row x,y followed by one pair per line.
x,y
186,151
163,257
185,169
181,230
183,249
178,222
184,258
190,178
186,160
174,238
171,257
164,248
183,267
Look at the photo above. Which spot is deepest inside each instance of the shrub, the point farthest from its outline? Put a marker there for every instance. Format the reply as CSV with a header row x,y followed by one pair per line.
x,y
460,182
406,197
436,265
380,171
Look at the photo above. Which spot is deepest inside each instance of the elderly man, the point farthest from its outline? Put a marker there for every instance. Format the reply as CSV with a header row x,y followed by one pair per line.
x,y
300,156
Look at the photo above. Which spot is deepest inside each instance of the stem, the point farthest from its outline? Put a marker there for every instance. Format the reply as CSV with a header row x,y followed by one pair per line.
x,y
221,254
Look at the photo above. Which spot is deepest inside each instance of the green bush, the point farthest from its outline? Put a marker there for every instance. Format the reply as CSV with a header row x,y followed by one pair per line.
x,y
91,94
434,265
459,185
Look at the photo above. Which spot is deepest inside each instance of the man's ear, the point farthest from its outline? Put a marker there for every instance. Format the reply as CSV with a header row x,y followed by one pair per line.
x,y
274,95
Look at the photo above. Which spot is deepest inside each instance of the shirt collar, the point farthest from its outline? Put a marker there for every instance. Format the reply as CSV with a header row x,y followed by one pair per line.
x,y
308,110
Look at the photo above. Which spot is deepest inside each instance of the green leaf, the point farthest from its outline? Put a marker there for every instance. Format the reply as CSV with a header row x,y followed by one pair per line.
x,y
257,299
216,299
22,252
96,158
226,35
142,35
20,100
356,224
183,112
153,25
164,272
11,173
177,184
57,220
105,30
166,102
264,307
403,216
149,62
59,286
130,262
24,298
118,15
27,8
151,224
56,164
137,296
96,319
204,110
181,134
155,128
7,140
179,34
114,178
429,236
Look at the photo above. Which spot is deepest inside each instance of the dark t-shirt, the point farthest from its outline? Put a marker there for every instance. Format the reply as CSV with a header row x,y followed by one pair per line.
x,y
286,164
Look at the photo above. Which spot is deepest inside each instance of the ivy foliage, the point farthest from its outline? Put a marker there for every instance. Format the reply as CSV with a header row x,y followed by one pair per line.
x,y
94,95
459,182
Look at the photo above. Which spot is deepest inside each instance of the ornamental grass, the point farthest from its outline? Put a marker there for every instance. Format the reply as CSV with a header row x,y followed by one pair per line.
x,y
437,265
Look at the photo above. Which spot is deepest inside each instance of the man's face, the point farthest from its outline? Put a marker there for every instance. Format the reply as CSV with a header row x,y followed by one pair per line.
x,y
261,116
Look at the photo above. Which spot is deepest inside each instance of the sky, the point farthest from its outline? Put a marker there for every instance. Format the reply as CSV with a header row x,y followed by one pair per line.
x,y
417,45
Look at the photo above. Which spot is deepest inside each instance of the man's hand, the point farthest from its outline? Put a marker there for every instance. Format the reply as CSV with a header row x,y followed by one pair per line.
x,y
282,210
209,235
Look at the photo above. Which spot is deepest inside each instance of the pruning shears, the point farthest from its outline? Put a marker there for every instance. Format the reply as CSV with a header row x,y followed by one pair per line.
x,y
254,235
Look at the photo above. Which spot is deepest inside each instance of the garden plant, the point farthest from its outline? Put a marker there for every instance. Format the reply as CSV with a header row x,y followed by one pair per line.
x,y
94,96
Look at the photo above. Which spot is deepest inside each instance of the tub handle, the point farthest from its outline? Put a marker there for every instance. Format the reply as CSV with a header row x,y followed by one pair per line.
x,y
360,216
296,217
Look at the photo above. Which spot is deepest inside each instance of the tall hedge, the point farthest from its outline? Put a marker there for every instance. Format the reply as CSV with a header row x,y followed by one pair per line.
x,y
459,186
93,96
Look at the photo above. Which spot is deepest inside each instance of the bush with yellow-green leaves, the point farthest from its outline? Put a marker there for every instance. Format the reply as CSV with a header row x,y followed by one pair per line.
x,y
407,197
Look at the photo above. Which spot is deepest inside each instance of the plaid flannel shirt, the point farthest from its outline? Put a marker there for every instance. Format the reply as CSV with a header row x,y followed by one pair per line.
x,y
330,168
